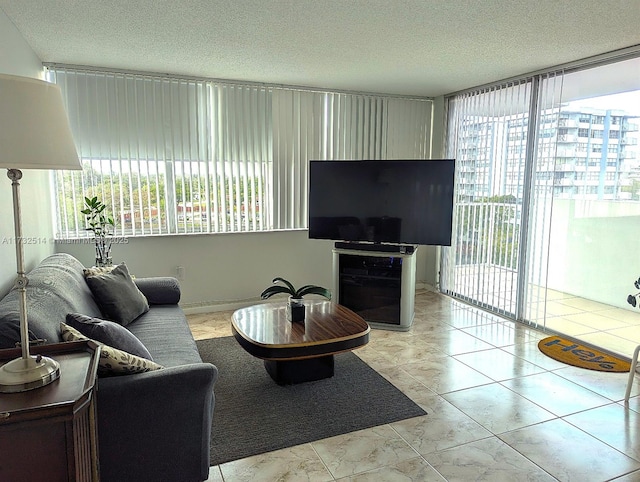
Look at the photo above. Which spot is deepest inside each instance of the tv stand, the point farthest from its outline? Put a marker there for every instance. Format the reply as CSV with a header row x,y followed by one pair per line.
x,y
377,285
378,247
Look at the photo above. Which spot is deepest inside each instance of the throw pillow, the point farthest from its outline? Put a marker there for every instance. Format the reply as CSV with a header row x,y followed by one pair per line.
x,y
95,270
109,333
112,361
117,296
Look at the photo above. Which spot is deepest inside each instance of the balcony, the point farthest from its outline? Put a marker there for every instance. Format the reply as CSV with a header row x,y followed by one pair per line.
x,y
567,123
565,181
629,126
567,138
566,151
565,166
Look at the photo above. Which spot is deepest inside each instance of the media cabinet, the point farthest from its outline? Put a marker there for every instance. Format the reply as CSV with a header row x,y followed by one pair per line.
x,y
377,285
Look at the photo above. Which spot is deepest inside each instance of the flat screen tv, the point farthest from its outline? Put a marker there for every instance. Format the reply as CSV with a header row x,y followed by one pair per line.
x,y
393,201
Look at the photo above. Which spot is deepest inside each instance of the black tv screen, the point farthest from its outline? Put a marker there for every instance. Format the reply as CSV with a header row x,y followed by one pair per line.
x,y
399,201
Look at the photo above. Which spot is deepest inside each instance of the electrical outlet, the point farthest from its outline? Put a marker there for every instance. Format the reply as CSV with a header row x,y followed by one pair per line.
x,y
180,272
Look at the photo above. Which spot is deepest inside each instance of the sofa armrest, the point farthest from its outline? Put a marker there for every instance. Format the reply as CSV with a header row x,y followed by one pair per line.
x,y
156,426
159,290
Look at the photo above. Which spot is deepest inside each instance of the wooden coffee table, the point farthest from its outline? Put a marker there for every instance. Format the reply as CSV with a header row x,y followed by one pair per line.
x,y
299,352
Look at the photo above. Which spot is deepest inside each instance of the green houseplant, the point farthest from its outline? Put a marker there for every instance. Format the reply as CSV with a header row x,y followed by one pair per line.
x,y
295,306
102,227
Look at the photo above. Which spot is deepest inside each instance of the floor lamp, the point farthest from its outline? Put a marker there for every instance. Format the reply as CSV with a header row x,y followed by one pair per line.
x,y
34,134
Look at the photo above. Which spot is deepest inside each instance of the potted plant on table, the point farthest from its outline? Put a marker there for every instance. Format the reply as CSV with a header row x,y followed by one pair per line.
x,y
295,305
101,225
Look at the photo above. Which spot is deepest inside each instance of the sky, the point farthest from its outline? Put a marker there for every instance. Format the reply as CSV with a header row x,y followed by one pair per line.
x,y
627,101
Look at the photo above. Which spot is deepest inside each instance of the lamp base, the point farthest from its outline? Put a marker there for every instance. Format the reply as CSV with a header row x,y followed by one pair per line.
x,y
24,374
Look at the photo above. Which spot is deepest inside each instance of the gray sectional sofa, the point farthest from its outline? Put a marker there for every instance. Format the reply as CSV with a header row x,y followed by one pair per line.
x,y
152,426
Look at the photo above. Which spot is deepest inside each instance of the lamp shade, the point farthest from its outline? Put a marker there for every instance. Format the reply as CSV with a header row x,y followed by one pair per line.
x,y
34,128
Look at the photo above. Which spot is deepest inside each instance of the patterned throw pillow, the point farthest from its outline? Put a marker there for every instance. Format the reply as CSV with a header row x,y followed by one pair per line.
x,y
96,270
112,361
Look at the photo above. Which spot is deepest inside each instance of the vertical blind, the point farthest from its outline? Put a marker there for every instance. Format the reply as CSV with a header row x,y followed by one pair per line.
x,y
241,163
500,138
178,156
544,161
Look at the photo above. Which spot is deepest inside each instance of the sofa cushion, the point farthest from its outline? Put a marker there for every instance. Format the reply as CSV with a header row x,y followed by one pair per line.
x,y
112,361
117,295
166,334
109,333
159,290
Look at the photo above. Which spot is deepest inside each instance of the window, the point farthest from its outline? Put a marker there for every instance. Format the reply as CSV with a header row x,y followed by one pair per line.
x,y
181,156
593,176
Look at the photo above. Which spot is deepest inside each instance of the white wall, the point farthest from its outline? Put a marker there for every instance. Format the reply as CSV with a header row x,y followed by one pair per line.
x,y
223,271
17,58
592,249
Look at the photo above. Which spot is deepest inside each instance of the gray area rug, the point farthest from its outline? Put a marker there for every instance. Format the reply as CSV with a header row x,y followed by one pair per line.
x,y
254,415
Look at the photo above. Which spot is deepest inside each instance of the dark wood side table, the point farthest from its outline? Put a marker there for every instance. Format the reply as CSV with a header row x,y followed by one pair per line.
x,y
49,433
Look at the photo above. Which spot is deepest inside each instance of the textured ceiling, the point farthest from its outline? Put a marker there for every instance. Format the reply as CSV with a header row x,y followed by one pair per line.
x,y
414,47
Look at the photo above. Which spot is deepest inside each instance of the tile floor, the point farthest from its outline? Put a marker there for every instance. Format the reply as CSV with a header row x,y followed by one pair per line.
x,y
498,410
614,329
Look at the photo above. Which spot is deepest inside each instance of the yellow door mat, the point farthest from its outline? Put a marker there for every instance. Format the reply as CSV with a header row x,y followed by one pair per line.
x,y
572,353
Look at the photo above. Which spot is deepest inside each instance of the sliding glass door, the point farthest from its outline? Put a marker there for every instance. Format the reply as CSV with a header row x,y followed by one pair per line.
x,y
488,137
548,200
596,209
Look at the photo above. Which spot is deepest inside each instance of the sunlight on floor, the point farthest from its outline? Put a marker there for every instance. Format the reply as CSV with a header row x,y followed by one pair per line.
x,y
613,329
